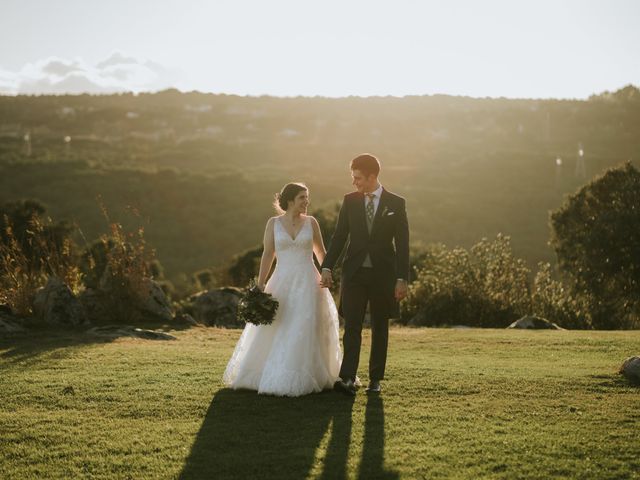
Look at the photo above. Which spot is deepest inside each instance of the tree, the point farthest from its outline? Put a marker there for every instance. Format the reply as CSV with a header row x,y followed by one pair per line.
x,y
596,237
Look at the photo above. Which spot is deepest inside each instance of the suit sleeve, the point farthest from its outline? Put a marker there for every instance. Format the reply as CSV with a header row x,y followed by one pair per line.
x,y
338,239
401,240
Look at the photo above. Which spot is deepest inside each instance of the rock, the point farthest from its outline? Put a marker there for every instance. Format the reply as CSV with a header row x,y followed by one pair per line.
x,y
537,323
111,331
186,319
155,304
152,334
5,309
95,305
630,368
10,326
8,322
419,319
217,307
116,331
149,304
56,304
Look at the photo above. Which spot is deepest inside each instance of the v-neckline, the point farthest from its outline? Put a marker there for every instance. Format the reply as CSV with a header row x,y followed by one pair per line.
x,y
293,239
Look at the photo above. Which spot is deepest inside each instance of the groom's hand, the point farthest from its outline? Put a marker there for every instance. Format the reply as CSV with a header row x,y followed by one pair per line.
x,y
326,280
401,289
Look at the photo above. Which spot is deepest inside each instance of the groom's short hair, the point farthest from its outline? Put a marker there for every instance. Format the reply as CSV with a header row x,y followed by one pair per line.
x,y
367,164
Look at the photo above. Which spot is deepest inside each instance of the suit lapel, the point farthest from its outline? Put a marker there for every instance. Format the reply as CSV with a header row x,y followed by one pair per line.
x,y
381,205
361,213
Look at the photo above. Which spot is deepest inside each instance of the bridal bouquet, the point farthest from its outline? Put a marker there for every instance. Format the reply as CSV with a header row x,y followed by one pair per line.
x,y
256,306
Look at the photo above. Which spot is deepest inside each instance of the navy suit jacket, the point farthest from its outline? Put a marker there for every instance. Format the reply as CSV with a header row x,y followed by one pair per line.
x,y
387,244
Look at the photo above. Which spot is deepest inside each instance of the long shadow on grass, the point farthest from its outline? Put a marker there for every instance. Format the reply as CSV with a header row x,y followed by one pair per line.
x,y
337,453
246,435
29,346
372,463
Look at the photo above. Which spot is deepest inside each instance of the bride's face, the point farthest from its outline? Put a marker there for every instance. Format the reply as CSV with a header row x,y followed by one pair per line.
x,y
300,203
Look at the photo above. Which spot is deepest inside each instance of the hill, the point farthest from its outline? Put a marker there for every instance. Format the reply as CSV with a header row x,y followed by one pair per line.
x,y
202,168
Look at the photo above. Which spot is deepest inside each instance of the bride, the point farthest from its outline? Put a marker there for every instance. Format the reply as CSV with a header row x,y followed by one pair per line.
x,y
299,352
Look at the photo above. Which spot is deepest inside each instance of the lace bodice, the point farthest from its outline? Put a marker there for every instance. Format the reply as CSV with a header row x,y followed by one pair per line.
x,y
291,251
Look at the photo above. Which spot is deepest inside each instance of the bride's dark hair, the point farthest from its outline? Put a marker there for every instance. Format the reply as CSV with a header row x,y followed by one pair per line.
x,y
286,195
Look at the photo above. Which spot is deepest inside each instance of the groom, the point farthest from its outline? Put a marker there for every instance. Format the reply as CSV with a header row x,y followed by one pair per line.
x,y
373,221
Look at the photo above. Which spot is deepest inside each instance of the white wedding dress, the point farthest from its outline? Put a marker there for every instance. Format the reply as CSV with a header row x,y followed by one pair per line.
x,y
299,352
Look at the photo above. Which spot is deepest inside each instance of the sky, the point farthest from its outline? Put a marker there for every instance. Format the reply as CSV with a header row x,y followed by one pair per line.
x,y
478,48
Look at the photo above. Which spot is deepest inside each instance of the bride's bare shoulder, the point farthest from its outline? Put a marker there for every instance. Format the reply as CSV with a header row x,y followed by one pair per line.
x,y
312,219
272,220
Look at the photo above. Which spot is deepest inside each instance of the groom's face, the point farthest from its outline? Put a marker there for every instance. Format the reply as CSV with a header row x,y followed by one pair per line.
x,y
363,183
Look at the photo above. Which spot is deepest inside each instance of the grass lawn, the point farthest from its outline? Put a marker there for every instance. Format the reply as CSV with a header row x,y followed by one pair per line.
x,y
456,404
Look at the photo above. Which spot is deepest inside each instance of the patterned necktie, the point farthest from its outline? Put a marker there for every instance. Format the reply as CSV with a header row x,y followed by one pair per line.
x,y
369,208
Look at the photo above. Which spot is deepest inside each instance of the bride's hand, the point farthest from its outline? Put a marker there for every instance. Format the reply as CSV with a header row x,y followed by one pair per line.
x,y
326,280
261,287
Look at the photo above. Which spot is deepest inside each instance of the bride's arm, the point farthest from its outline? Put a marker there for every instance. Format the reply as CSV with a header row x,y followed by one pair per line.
x,y
268,254
318,244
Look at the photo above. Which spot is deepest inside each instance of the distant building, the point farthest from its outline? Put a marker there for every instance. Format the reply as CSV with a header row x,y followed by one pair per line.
x,y
581,171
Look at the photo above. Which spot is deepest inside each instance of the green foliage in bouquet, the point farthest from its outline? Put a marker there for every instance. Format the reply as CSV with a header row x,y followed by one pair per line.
x,y
256,306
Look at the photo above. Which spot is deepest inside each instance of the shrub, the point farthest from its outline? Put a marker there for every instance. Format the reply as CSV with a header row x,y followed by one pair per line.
x,y
31,250
118,271
204,279
485,287
125,279
168,288
596,237
156,270
242,268
552,300
93,261
19,277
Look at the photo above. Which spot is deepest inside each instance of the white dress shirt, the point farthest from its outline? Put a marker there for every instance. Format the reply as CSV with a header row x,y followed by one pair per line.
x,y
376,200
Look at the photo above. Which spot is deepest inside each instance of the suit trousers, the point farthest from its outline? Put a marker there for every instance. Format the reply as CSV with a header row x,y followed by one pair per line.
x,y
357,291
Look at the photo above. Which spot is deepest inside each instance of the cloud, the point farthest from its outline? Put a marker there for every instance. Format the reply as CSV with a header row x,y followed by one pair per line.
x,y
116,58
8,81
117,73
60,67
72,83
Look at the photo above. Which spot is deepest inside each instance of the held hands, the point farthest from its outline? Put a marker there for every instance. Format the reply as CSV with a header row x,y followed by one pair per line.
x,y
401,289
326,280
